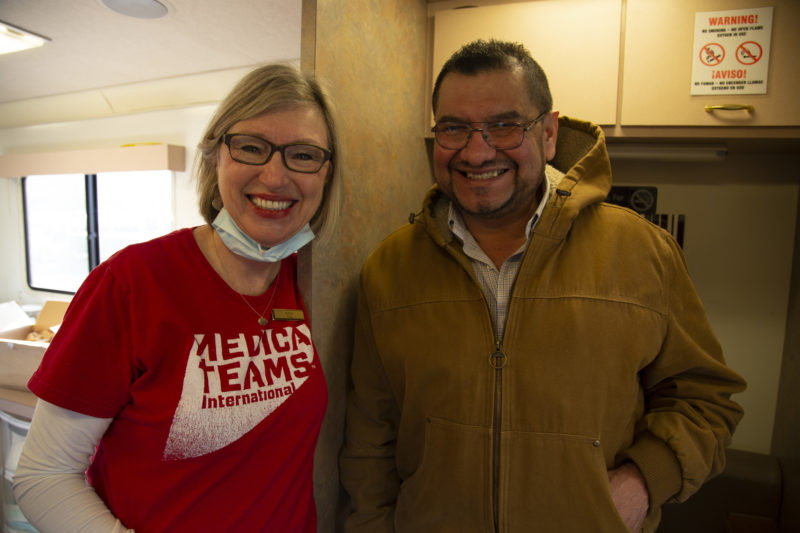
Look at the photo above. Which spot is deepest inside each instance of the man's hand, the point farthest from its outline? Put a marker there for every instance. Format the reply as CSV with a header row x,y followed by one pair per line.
x,y
630,495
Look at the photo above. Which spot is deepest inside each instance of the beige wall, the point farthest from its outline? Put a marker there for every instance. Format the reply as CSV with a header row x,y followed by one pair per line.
x,y
373,56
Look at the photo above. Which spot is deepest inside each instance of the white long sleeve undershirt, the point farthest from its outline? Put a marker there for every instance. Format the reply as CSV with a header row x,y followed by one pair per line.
x,y
50,484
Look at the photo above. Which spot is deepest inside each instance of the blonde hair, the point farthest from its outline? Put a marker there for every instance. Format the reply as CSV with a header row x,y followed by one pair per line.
x,y
264,90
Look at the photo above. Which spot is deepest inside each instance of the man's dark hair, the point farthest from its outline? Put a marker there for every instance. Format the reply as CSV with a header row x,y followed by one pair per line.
x,y
481,56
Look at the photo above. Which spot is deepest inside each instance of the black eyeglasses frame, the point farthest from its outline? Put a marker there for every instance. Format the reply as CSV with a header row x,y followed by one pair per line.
x,y
226,139
524,125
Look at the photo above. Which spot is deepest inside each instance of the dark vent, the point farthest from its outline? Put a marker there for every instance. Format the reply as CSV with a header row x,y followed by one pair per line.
x,y
644,200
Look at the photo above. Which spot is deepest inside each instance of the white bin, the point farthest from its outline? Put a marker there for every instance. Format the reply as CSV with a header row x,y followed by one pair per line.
x,y
12,436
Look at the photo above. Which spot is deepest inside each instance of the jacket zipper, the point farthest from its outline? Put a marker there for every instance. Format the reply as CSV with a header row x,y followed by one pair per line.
x,y
497,360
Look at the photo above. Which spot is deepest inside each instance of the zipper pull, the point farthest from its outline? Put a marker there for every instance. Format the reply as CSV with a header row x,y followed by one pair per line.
x,y
498,359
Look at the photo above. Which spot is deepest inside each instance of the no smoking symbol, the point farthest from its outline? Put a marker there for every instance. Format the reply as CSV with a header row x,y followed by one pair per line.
x,y
749,53
712,54
642,200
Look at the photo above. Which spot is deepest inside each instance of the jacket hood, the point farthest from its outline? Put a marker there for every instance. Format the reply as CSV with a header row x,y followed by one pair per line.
x,y
579,176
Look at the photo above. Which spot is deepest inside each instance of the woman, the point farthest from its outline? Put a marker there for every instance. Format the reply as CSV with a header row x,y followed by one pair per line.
x,y
187,361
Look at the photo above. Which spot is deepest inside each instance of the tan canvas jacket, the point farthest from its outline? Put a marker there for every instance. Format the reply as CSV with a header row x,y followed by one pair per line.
x,y
607,356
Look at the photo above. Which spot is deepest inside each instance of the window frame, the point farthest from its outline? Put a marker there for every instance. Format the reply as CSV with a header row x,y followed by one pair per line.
x,y
90,189
92,212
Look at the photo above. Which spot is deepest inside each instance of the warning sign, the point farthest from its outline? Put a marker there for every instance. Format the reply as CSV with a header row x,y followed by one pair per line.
x,y
731,51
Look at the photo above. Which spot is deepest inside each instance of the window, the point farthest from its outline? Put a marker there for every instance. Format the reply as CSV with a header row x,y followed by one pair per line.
x,y
55,231
74,221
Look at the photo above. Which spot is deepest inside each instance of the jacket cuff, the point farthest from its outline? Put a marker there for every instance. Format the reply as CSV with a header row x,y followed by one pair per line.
x,y
659,466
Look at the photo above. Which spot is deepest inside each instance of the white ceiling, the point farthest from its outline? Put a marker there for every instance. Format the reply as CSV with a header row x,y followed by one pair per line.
x,y
94,48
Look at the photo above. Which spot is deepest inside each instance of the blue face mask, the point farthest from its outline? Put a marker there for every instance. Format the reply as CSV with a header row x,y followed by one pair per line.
x,y
240,243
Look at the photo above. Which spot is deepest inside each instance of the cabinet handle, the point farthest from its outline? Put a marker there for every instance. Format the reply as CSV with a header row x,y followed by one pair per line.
x,y
730,107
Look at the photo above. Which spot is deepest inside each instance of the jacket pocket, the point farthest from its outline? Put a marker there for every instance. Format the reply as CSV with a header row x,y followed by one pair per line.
x,y
449,491
555,482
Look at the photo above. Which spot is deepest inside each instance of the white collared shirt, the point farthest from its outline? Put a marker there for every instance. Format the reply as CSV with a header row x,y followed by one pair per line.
x,y
496,284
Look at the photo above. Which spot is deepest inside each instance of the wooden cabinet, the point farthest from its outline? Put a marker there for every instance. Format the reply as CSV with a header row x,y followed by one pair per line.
x,y
658,58
576,42
627,64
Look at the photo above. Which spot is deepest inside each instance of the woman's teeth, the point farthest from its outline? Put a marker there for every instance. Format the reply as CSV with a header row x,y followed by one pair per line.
x,y
272,205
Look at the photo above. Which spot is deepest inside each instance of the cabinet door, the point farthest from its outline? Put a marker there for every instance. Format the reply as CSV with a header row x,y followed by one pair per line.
x,y
658,59
575,41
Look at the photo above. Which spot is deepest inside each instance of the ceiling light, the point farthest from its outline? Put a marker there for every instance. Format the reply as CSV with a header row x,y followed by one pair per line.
x,y
143,9
13,39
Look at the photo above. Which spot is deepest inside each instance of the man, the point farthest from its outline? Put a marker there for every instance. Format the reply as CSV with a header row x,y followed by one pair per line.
x,y
527,357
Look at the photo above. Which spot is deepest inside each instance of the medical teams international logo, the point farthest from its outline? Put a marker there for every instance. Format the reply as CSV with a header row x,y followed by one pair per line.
x,y
232,384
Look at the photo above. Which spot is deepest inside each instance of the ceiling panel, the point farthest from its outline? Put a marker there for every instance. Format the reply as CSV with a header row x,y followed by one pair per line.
x,y
93,47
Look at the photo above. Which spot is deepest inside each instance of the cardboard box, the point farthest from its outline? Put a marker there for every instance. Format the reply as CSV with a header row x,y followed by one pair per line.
x,y
19,358
13,316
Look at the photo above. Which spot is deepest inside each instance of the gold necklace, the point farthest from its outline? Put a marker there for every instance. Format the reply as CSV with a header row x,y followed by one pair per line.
x,y
262,320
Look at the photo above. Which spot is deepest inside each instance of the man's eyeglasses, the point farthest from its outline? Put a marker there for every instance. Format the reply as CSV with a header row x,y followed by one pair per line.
x,y
298,157
500,135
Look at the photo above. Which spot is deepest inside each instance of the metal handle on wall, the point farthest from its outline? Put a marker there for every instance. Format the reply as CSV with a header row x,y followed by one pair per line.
x,y
730,107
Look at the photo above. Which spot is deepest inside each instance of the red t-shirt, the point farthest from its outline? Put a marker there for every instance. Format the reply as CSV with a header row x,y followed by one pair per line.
x,y
216,417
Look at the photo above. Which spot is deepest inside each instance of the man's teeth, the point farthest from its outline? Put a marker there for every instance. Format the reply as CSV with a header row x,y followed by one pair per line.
x,y
483,175
271,204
